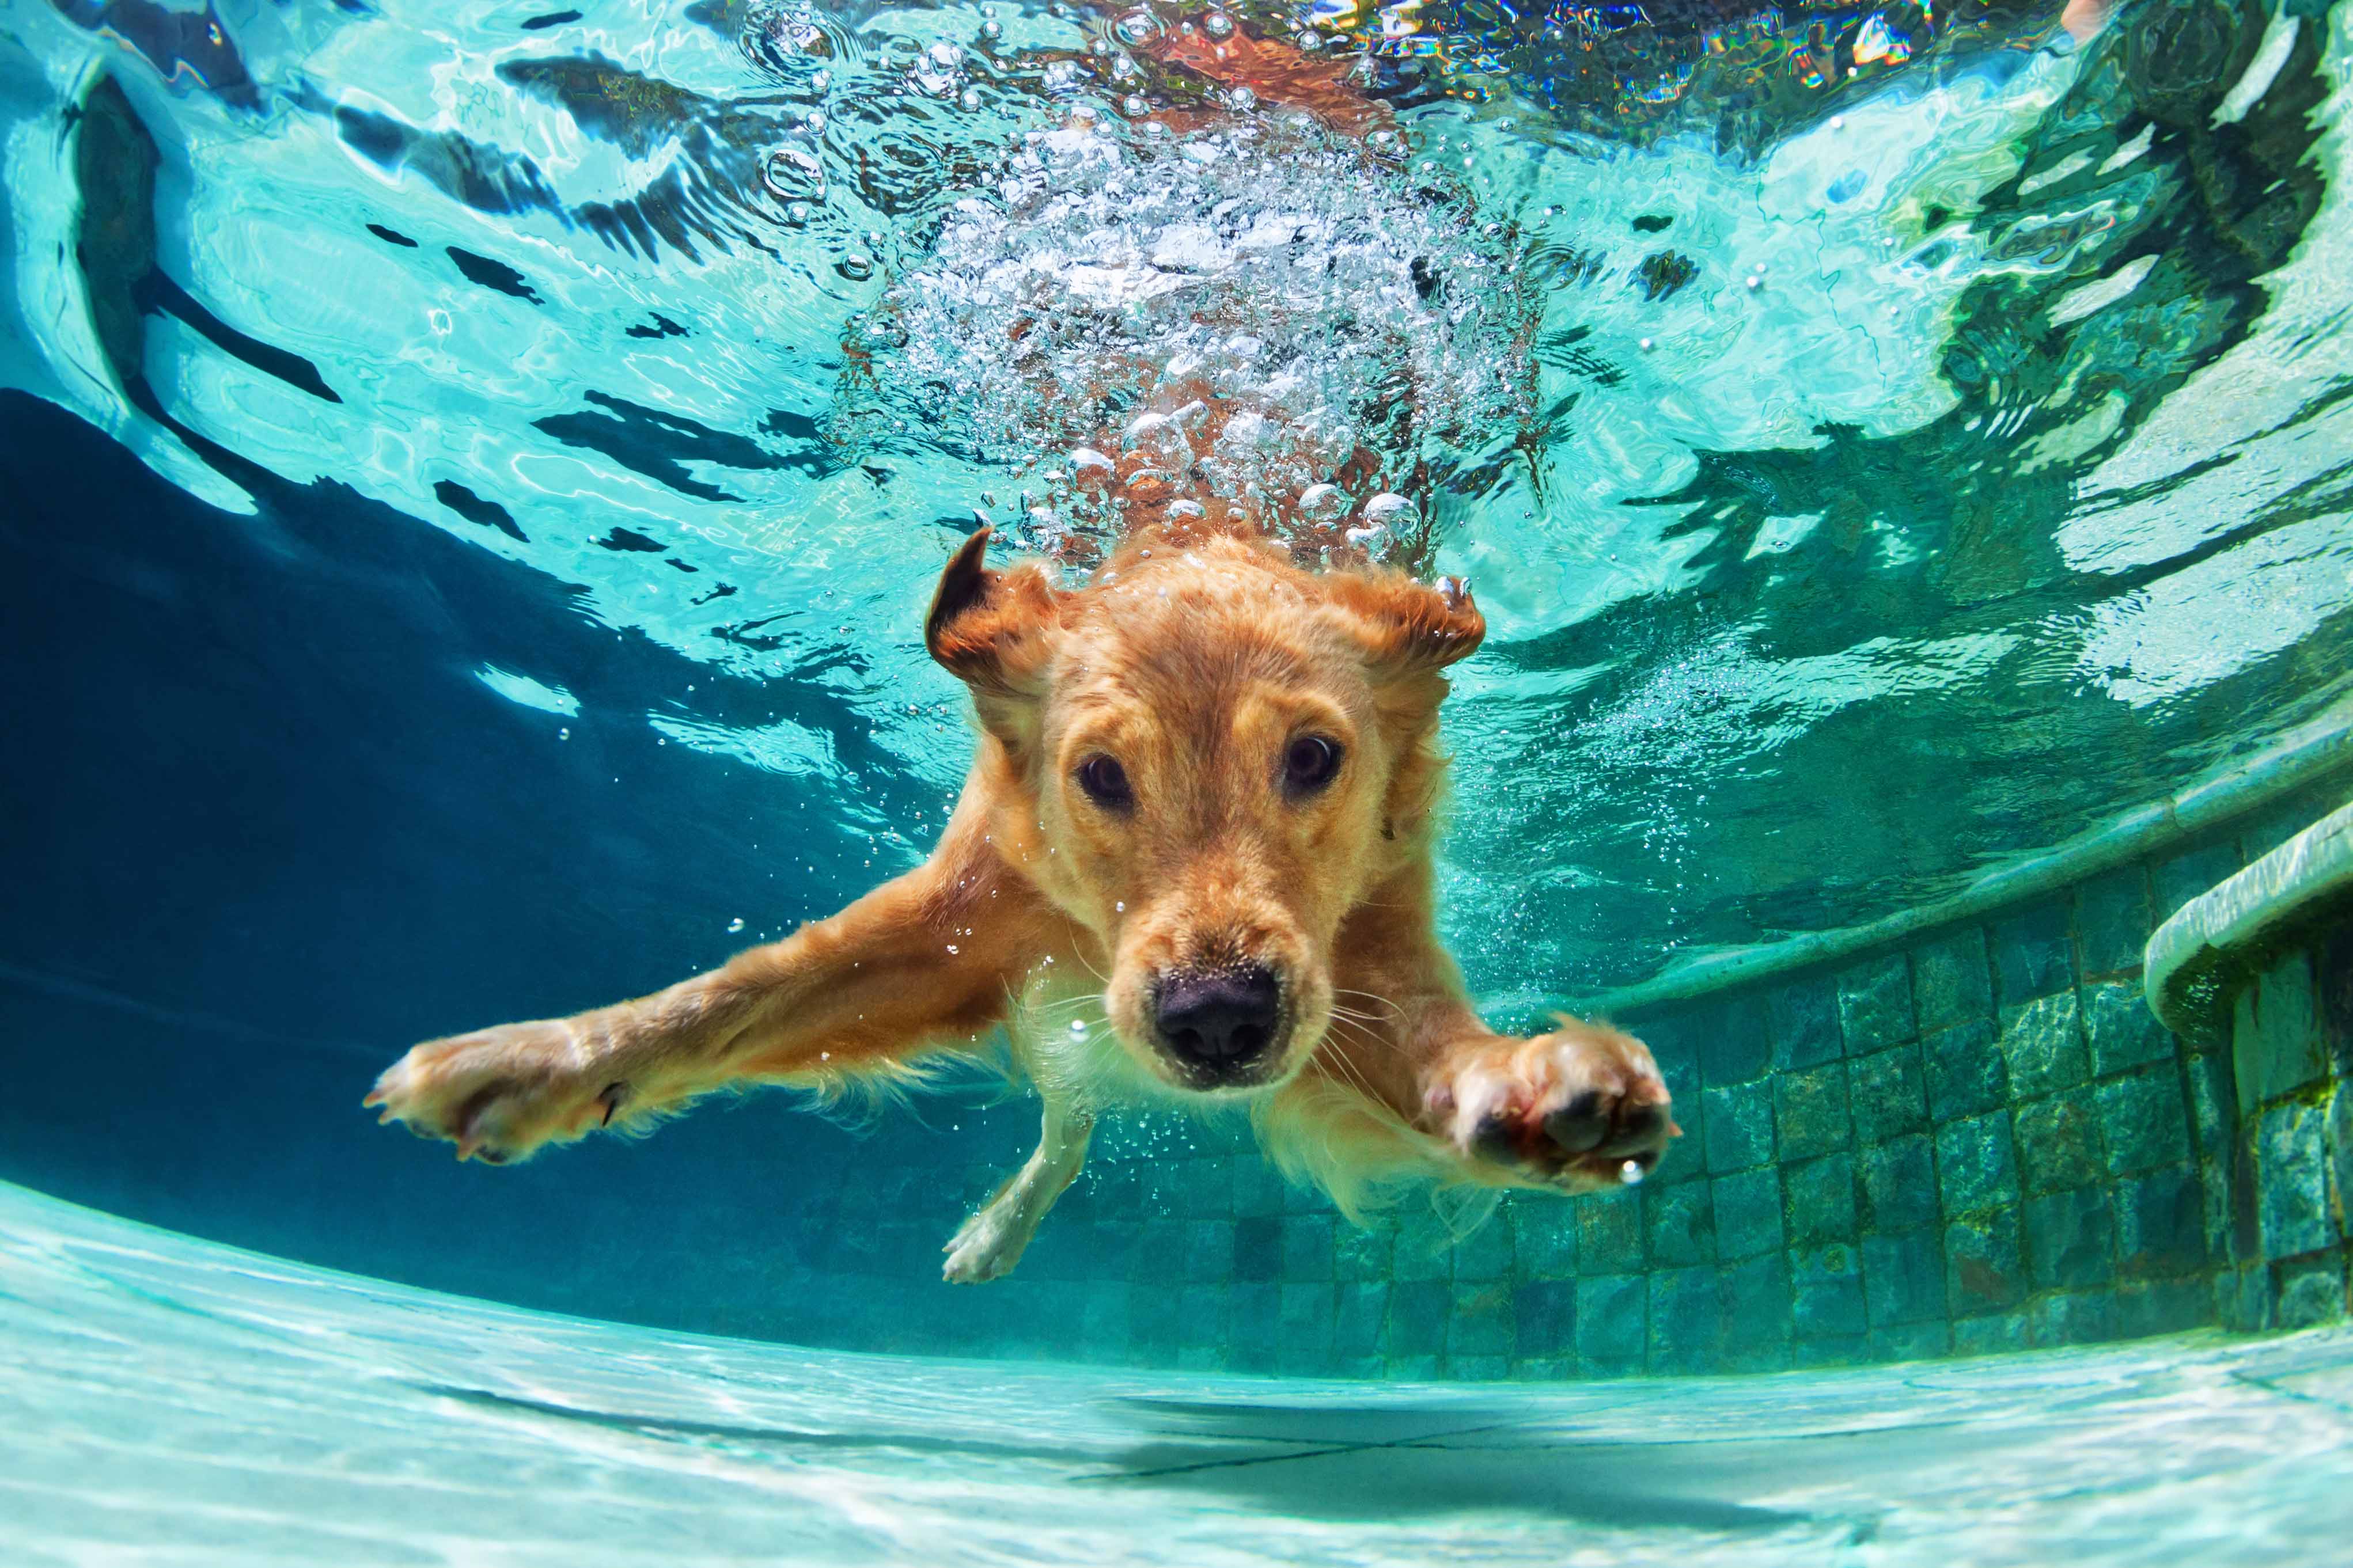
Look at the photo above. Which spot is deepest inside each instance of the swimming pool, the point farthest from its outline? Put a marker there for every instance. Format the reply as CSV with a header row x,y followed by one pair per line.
x,y
474,480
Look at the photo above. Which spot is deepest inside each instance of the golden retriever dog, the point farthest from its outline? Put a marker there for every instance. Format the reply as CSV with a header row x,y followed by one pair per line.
x,y
1192,866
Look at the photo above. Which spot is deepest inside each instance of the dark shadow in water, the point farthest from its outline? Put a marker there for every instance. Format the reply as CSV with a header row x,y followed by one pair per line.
x,y
1384,1462
1619,1485
1393,1460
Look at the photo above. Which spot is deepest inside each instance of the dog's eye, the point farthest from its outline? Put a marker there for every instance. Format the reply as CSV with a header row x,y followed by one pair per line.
x,y
1308,764
1105,781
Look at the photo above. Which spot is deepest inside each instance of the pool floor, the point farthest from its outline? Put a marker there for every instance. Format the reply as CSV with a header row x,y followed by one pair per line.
x,y
171,1401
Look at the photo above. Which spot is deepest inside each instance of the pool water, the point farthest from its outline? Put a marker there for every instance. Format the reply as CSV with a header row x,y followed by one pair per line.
x,y
472,475
176,1401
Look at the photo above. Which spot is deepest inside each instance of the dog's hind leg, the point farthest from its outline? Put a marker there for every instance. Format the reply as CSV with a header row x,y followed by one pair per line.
x,y
990,1244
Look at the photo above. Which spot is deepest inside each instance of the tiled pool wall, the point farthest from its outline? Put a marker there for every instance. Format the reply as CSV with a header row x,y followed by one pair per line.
x,y
1980,1139
2286,1173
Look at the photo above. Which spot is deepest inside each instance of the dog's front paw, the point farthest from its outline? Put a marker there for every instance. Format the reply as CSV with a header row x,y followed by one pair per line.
x,y
499,1094
1567,1109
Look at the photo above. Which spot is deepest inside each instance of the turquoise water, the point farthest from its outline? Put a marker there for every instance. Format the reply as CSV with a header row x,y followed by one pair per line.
x,y
2007,496
472,475
176,1401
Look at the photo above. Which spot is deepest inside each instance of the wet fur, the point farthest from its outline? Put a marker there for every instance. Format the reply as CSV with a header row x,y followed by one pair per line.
x,y
1193,654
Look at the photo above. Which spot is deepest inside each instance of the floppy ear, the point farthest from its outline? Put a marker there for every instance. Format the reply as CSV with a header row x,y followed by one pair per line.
x,y
992,629
1405,627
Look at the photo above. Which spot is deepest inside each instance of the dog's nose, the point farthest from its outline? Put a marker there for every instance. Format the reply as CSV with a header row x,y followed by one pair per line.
x,y
1221,1020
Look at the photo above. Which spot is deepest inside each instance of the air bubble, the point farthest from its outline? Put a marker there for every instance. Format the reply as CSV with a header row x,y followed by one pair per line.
x,y
795,175
1322,503
1218,24
735,924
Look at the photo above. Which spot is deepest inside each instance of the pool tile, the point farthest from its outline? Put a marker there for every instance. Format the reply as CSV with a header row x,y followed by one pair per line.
x,y
1985,1266
1479,1320
1874,1001
2033,953
1899,1185
1486,1253
1308,1249
2292,1166
1686,1320
1903,1277
2123,1032
1544,1240
1977,1165
1887,1094
1747,1207
2071,1238
1544,1319
1819,1200
1952,981
1360,1312
1739,1130
2112,921
2144,1120
2312,1291
1923,1340
1965,1072
1681,1224
1757,1304
1826,1292
1364,1252
1609,1232
1612,1322
1801,1021
2161,1223
1810,1111
2059,1143
2073,1318
2042,1044
1731,1040
1258,1247
2174,882
1418,1310
1993,1335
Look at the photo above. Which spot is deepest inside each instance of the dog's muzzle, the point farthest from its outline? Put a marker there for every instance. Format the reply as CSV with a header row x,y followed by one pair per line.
x,y
1220,1025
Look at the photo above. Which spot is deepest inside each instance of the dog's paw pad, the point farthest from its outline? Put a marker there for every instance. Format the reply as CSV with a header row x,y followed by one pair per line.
x,y
1579,1108
499,1095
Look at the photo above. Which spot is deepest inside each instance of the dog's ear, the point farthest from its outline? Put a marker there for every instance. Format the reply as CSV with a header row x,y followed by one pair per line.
x,y
992,630
1405,627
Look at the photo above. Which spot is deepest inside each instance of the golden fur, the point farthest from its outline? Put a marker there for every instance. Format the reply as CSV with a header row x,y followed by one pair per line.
x,y
1193,657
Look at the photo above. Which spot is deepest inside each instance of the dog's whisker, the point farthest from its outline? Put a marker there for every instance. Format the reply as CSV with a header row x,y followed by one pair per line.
x,y
1369,996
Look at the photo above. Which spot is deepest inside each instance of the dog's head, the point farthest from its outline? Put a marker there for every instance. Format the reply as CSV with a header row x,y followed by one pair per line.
x,y
1207,758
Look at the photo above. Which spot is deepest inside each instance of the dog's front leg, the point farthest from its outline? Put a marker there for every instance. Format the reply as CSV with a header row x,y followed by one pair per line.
x,y
990,1244
921,963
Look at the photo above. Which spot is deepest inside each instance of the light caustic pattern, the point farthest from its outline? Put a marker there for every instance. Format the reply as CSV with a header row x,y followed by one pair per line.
x,y
1843,455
